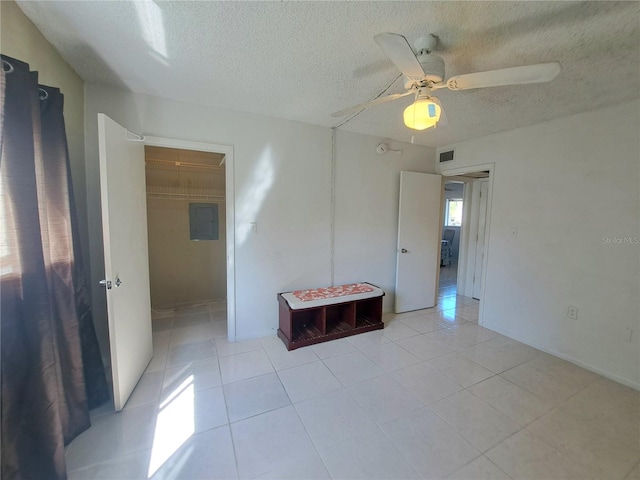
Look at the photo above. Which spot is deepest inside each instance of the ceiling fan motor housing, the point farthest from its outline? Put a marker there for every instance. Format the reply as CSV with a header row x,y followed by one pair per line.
x,y
433,66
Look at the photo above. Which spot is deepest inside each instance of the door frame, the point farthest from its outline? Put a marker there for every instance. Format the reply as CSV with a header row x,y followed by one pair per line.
x,y
227,150
462,171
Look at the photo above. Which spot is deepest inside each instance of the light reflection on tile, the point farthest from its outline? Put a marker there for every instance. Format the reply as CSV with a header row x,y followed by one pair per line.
x,y
419,398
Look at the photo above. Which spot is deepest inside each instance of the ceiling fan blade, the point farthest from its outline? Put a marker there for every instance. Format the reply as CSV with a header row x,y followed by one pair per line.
x,y
377,101
540,73
400,53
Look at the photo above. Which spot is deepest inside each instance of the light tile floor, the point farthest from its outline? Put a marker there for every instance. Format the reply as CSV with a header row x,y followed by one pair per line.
x,y
448,278
432,396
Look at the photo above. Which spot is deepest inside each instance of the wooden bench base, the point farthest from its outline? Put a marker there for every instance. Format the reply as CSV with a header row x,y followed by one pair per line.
x,y
308,326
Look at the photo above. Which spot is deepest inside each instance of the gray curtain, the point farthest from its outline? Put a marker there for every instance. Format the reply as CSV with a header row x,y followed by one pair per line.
x,y
51,372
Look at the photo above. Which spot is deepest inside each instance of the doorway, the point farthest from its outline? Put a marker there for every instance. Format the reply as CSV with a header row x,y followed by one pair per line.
x,y
190,206
185,214
132,346
453,208
466,276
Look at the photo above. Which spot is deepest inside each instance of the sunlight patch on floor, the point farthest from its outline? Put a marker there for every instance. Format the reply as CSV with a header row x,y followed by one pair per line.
x,y
174,426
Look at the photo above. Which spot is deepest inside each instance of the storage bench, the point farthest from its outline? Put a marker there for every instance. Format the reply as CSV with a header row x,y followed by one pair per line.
x,y
319,315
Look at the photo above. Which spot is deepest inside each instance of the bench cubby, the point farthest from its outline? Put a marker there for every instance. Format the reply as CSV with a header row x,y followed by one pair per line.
x,y
300,327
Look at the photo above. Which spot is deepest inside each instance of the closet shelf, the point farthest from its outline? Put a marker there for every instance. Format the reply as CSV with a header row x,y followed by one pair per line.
x,y
177,180
153,163
155,191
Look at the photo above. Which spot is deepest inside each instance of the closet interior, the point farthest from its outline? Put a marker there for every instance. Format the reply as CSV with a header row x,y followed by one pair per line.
x,y
186,227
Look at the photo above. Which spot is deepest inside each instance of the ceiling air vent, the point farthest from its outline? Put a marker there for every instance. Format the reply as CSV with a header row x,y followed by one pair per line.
x,y
446,156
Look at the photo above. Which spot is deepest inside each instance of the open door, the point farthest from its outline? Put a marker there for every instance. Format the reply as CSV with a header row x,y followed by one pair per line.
x,y
480,239
419,226
126,259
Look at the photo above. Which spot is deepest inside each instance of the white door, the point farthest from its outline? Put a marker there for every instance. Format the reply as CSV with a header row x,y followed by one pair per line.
x,y
482,220
126,259
419,226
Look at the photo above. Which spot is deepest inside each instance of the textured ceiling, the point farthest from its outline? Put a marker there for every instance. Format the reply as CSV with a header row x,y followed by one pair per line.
x,y
304,60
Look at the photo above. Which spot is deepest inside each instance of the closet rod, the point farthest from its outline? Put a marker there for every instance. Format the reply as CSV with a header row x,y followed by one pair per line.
x,y
181,164
185,195
187,199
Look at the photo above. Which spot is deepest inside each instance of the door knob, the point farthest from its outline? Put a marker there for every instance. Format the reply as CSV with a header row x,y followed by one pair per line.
x,y
105,283
404,250
118,282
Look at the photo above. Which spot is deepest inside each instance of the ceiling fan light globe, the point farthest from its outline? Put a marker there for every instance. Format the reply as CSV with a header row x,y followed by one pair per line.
x,y
422,114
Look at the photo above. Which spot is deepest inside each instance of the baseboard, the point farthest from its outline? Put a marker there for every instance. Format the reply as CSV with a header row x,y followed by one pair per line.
x,y
591,368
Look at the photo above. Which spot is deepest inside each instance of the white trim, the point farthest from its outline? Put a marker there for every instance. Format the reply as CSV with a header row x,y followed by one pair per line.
x,y
227,150
461,171
471,169
568,358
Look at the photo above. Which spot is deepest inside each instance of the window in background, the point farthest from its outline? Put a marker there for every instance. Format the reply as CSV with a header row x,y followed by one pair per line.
x,y
453,213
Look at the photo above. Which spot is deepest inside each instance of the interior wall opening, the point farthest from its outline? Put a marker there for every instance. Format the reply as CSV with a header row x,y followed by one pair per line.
x,y
186,222
451,230
464,235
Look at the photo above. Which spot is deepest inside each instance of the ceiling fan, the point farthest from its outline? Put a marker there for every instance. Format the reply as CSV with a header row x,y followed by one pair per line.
x,y
424,73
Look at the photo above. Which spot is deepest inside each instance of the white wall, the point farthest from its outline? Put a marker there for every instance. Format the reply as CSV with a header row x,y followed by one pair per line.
x,y
282,182
367,197
567,185
182,271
